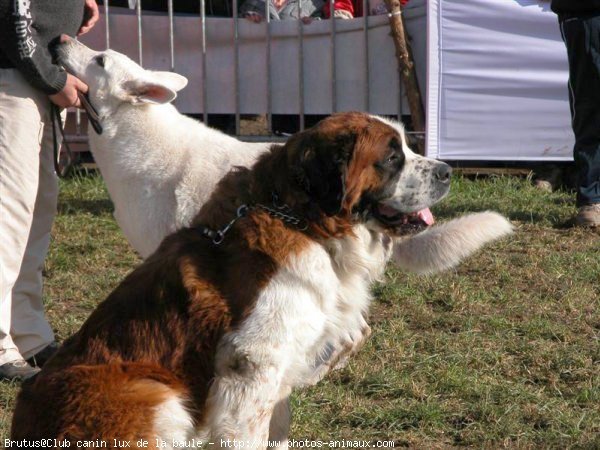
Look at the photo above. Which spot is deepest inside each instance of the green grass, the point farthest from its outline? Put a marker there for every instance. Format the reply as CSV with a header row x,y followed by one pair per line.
x,y
502,352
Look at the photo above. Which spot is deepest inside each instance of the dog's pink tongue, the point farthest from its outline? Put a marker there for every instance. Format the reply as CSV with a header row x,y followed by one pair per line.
x,y
426,216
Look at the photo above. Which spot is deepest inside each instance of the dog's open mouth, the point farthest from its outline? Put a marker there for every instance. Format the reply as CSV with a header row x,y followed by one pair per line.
x,y
402,223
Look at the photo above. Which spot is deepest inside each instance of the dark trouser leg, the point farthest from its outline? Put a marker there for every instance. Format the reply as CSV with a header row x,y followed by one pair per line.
x,y
582,38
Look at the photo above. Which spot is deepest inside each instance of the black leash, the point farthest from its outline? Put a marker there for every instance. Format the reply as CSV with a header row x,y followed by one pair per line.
x,y
57,122
93,119
279,211
92,114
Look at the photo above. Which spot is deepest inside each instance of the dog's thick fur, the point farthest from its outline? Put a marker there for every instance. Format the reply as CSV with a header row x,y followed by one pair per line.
x,y
160,167
206,341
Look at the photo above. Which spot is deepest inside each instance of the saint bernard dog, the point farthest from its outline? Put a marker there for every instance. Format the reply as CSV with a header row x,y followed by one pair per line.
x,y
209,335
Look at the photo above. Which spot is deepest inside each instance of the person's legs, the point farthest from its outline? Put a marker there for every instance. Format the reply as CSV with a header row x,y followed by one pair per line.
x,y
20,143
582,39
30,330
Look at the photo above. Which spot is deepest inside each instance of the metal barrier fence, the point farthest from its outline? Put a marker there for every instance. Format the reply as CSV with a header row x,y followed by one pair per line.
x,y
287,67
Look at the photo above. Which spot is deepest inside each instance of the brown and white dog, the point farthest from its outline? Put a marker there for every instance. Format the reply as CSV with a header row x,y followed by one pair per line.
x,y
206,341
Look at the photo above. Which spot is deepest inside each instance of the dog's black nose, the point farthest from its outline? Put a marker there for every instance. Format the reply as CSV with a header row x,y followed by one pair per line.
x,y
442,172
55,43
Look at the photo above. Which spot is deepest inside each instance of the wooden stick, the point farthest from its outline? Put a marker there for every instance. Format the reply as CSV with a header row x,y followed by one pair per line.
x,y
406,67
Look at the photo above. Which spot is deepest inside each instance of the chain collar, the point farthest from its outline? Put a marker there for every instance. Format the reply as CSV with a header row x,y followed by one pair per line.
x,y
284,212
279,210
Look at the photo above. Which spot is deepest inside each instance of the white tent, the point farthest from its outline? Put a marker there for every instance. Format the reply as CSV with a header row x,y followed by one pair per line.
x,y
497,82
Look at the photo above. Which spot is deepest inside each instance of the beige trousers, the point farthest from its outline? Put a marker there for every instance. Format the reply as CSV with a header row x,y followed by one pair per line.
x,y
28,196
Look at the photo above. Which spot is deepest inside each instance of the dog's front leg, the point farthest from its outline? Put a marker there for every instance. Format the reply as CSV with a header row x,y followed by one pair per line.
x,y
279,428
444,246
240,407
258,363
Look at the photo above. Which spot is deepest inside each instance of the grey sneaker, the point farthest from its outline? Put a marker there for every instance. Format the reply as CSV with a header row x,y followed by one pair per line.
x,y
17,370
588,216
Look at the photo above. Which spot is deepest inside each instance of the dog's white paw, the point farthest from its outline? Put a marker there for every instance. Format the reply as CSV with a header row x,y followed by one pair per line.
x,y
443,246
351,347
336,356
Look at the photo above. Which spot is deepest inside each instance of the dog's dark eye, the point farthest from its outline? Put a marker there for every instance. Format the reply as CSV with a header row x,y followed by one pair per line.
x,y
99,60
392,159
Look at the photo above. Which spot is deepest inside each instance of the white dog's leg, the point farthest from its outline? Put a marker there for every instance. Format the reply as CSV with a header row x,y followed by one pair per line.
x,y
279,428
240,408
444,246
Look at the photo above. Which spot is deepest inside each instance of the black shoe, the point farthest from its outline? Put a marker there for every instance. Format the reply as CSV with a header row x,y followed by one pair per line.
x,y
40,358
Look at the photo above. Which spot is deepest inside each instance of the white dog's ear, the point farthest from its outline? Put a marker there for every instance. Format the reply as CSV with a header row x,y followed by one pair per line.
x,y
139,92
159,88
173,80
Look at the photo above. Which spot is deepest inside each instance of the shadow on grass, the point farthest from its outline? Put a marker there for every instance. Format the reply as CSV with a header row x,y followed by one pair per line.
x,y
78,206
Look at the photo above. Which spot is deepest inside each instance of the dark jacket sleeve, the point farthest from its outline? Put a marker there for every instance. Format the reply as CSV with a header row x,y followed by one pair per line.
x,y
19,41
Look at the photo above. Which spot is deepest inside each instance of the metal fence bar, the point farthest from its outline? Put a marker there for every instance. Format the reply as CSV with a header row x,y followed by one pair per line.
x,y
138,7
204,87
171,33
302,59
366,44
269,81
106,24
236,65
333,53
301,66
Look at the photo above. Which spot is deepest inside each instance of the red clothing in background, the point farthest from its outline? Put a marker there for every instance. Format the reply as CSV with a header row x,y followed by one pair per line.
x,y
354,7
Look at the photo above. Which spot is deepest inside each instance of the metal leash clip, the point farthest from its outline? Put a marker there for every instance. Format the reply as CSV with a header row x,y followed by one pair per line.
x,y
220,234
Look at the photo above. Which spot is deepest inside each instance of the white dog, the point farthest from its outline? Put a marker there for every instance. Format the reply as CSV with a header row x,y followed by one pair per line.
x,y
160,166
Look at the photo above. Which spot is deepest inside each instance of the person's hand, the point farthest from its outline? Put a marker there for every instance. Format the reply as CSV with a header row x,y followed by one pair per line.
x,y
90,17
69,95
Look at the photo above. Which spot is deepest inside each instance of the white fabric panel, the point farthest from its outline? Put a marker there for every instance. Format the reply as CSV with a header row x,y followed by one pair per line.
x,y
497,80
384,87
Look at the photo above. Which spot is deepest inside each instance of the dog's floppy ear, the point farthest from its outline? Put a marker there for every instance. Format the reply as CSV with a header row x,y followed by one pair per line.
x,y
320,168
157,88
